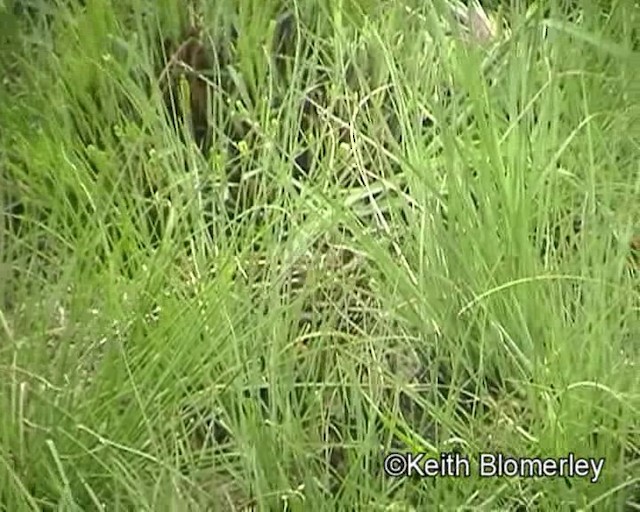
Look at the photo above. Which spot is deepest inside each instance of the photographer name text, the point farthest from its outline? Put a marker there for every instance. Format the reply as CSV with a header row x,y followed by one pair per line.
x,y
492,465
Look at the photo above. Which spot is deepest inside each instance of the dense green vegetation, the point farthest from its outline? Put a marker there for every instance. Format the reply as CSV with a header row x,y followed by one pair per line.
x,y
451,270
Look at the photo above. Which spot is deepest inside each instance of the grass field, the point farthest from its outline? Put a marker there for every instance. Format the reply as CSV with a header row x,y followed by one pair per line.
x,y
452,275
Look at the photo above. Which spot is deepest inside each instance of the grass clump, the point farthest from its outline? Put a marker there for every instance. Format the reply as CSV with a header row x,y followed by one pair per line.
x,y
406,233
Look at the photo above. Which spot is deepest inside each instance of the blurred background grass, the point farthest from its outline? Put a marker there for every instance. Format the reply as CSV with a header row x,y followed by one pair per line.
x,y
449,271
